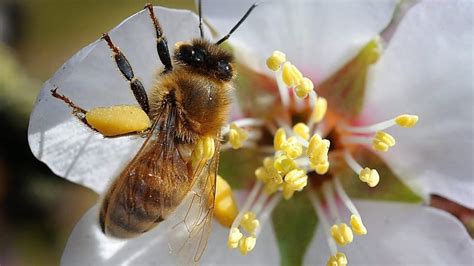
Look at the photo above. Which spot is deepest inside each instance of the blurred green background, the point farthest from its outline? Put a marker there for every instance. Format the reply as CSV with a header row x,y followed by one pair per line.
x,y
38,210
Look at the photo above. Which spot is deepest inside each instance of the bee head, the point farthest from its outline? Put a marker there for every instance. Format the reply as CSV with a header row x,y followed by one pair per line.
x,y
205,57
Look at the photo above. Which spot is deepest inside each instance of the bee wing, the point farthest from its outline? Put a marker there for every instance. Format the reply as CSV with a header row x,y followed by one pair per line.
x,y
193,219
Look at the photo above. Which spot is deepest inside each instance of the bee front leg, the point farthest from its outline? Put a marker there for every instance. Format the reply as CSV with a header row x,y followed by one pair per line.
x,y
113,121
161,43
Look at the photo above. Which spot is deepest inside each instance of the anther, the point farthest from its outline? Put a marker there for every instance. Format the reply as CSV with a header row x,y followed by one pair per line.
x,y
318,150
301,130
284,164
369,176
234,238
246,244
249,222
319,110
291,75
279,139
339,259
382,141
357,225
295,180
406,120
342,234
275,60
304,88
292,147
237,136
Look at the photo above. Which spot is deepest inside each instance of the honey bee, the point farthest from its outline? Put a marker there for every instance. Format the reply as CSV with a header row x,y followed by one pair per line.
x,y
190,100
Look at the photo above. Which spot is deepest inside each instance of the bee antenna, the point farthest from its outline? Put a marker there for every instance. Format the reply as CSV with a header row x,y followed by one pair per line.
x,y
237,25
200,19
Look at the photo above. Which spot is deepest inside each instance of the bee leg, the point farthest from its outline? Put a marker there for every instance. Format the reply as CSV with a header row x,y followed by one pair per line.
x,y
124,66
161,43
76,110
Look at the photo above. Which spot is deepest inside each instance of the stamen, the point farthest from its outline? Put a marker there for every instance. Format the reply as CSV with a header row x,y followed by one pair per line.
x,y
246,244
382,141
292,147
319,110
304,88
279,139
291,75
342,234
356,221
301,130
318,149
282,89
249,222
366,175
295,180
275,60
237,136
402,120
339,259
328,193
250,199
323,219
265,213
234,238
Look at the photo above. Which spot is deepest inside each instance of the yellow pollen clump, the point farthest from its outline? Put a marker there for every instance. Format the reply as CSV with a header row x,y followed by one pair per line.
x,y
275,60
369,176
249,222
291,75
406,120
339,259
225,206
234,238
118,120
246,244
279,139
357,225
342,234
320,109
304,88
295,180
237,136
292,147
382,141
301,130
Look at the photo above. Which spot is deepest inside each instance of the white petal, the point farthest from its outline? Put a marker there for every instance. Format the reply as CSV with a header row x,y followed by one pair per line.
x,y
317,36
91,79
427,70
87,245
401,234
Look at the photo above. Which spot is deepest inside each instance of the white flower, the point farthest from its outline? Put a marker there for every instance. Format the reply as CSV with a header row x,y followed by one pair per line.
x,y
335,33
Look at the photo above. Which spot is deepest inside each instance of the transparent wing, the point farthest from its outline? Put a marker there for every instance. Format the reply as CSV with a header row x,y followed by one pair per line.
x,y
193,218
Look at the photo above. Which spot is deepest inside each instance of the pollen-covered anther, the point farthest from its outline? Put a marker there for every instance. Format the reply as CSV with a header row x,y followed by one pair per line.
x,y
291,76
339,259
301,130
279,139
237,136
318,149
234,238
369,176
304,88
357,225
382,141
295,180
283,164
249,222
246,244
292,147
275,60
342,234
406,120
320,108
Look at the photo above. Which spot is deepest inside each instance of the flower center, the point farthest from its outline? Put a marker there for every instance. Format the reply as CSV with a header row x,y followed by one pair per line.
x,y
300,150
